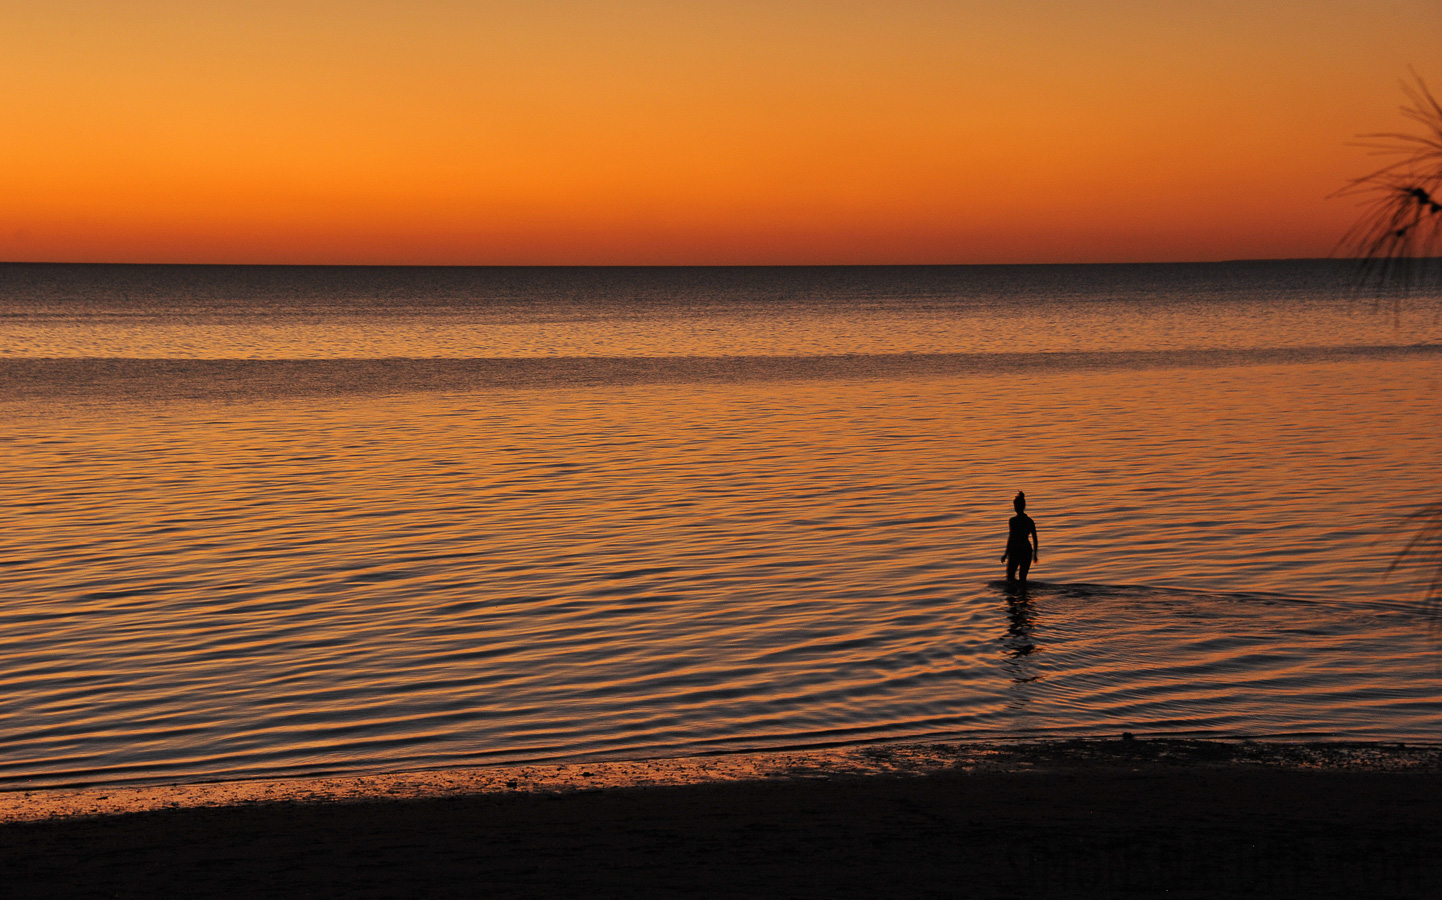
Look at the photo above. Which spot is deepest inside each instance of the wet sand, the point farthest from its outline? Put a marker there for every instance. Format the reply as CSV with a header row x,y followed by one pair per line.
x,y
1058,819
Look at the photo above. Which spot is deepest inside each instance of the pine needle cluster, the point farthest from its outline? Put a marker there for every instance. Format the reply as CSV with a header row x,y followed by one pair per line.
x,y
1397,241
1398,235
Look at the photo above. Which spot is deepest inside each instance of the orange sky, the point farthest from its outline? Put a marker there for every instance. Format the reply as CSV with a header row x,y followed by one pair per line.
x,y
647,132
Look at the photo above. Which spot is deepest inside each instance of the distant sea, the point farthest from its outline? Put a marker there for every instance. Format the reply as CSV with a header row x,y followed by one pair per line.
x,y
277,521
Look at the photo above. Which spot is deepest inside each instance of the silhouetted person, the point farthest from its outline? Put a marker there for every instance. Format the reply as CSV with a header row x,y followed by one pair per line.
x,y
1021,544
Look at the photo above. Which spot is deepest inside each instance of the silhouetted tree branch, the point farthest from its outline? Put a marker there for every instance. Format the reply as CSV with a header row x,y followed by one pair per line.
x,y
1427,544
1398,236
1397,240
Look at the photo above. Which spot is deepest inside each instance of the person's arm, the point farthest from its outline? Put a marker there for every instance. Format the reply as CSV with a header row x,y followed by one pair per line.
x,y
1035,544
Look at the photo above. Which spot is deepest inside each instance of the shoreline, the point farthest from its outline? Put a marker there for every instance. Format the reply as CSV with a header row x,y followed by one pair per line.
x,y
1080,818
907,759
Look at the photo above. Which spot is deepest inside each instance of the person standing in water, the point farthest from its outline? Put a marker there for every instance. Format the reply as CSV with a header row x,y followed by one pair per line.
x,y
1021,543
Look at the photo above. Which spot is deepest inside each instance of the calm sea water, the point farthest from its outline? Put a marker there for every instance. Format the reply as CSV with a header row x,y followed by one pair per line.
x,y
262,521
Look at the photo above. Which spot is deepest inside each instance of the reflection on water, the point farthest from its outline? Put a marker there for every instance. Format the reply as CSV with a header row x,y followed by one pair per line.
x,y
1021,618
1018,645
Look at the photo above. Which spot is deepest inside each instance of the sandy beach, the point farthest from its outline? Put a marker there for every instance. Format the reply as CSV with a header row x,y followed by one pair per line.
x,y
1075,818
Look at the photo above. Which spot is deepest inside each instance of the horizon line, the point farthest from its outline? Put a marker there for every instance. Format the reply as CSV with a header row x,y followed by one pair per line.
x,y
292,265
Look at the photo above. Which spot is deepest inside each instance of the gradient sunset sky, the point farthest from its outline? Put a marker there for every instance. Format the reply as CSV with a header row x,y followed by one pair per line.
x,y
639,132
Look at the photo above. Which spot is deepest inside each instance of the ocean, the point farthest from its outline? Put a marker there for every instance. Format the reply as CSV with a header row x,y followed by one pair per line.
x,y
290,521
